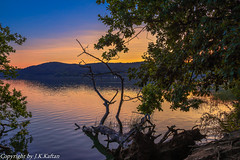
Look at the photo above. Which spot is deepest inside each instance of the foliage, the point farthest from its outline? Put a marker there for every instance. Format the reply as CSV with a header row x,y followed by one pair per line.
x,y
224,96
223,120
12,103
196,49
217,124
17,145
232,120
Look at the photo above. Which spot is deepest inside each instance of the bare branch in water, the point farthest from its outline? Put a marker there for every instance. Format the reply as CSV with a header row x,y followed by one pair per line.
x,y
106,102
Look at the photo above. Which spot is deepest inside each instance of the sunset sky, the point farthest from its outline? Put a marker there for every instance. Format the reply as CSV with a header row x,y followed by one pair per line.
x,y
51,27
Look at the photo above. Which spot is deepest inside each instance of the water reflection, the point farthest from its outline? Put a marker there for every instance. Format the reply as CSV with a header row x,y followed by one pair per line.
x,y
55,109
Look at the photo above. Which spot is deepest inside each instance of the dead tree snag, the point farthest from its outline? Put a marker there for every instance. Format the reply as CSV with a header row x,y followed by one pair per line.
x,y
140,142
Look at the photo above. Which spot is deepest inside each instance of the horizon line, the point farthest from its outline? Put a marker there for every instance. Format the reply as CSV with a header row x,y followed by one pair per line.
x,y
73,63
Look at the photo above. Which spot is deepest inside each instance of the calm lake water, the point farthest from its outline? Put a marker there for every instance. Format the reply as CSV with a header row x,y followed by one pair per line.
x,y
56,109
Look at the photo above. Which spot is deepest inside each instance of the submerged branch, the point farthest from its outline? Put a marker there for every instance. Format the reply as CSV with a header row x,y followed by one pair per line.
x,y
100,147
120,104
106,102
111,101
78,127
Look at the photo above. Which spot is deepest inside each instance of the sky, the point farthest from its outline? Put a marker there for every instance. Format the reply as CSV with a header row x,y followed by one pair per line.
x,y
52,27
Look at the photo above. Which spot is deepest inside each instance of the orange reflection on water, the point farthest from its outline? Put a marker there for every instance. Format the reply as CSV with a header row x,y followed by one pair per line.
x,y
81,104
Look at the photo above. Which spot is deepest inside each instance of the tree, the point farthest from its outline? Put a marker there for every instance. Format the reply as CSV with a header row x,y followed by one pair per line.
x,y
196,52
12,103
196,49
139,141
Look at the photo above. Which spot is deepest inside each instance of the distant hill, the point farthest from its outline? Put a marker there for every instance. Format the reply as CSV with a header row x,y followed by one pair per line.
x,y
57,72
57,69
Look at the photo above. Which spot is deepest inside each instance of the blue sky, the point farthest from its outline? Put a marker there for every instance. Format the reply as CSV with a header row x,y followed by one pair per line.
x,y
47,18
51,27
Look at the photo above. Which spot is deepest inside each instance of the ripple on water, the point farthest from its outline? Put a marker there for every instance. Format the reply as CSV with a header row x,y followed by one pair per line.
x,y
55,110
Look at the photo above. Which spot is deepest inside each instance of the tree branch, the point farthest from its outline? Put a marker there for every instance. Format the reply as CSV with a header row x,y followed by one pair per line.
x,y
166,135
135,35
106,103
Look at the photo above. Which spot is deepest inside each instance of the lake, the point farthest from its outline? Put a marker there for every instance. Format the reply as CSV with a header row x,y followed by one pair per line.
x,y
55,109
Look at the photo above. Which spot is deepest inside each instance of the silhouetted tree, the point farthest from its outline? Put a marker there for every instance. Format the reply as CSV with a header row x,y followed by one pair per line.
x,y
12,103
196,49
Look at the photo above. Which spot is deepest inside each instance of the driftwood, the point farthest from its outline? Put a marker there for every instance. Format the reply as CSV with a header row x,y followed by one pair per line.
x,y
144,147
100,147
140,142
180,146
114,135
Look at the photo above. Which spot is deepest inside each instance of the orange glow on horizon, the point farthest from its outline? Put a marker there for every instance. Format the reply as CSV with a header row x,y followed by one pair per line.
x,y
66,49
